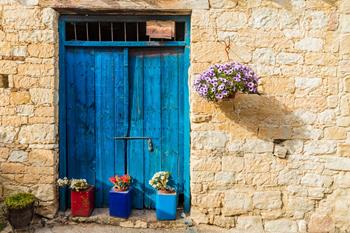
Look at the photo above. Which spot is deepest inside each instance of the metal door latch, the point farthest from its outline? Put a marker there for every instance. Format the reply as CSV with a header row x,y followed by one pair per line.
x,y
149,141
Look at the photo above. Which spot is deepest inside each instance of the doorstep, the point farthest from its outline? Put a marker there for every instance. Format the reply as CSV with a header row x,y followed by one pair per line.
x,y
137,219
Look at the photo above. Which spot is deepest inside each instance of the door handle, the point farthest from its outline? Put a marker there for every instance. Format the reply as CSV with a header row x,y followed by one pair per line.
x,y
149,141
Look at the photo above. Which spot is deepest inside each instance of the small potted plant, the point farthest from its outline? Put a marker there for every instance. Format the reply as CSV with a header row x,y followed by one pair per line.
x,y
20,209
166,200
223,81
82,196
120,199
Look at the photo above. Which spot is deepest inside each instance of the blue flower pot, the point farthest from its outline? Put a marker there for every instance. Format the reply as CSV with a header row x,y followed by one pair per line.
x,y
166,204
120,203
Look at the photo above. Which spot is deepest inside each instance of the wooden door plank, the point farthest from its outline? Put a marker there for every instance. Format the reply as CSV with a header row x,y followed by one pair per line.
x,y
121,108
135,147
105,124
71,119
85,115
181,96
152,122
170,121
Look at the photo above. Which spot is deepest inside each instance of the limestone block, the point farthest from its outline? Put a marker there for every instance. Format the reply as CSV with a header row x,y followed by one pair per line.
x,y
36,70
30,2
41,95
20,51
209,139
298,206
267,200
202,176
345,6
345,23
7,134
224,177
288,177
8,67
321,147
38,133
310,44
280,151
208,200
320,223
18,156
258,146
211,164
41,158
307,84
12,168
42,171
21,17
231,20
307,132
212,52
236,202
315,180
25,110
4,154
264,56
223,4
316,193
44,111
337,163
200,19
281,226
335,133
14,120
44,192
317,19
4,97
37,36
264,18
344,150
289,58
232,164
41,50
222,221
250,224
326,117
305,116
20,97
49,17
342,180
320,58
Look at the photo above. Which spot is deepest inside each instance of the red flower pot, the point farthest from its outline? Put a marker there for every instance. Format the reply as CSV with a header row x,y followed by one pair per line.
x,y
82,202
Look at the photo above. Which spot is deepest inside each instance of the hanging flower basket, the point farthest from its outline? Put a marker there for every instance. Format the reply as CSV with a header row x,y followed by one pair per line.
x,y
223,81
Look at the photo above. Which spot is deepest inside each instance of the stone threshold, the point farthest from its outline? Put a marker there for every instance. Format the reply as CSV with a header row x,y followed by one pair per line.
x,y
137,219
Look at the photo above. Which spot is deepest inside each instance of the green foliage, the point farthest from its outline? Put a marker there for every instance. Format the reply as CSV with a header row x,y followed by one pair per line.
x,y
19,200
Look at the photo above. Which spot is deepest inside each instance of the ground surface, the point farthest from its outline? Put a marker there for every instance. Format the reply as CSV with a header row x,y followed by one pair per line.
x,y
95,228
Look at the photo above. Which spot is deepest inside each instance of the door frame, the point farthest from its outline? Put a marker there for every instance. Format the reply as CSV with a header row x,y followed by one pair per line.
x,y
63,44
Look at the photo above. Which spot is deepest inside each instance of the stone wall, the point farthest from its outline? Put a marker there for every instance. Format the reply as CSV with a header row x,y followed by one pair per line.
x,y
28,101
279,161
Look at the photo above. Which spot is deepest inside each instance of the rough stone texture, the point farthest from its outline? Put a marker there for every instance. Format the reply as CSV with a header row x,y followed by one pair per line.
x,y
278,162
28,54
288,150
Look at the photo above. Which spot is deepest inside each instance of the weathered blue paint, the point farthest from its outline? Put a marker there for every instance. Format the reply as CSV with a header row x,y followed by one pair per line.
x,y
186,123
63,192
108,91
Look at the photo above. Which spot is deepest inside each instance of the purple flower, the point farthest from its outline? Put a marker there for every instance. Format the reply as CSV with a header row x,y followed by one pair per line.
x,y
222,80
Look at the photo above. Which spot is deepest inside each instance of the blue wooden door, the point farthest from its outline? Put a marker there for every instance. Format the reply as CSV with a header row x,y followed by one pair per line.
x,y
125,92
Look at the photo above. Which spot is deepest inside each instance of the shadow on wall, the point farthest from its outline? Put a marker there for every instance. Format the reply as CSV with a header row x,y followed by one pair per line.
x,y
264,116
